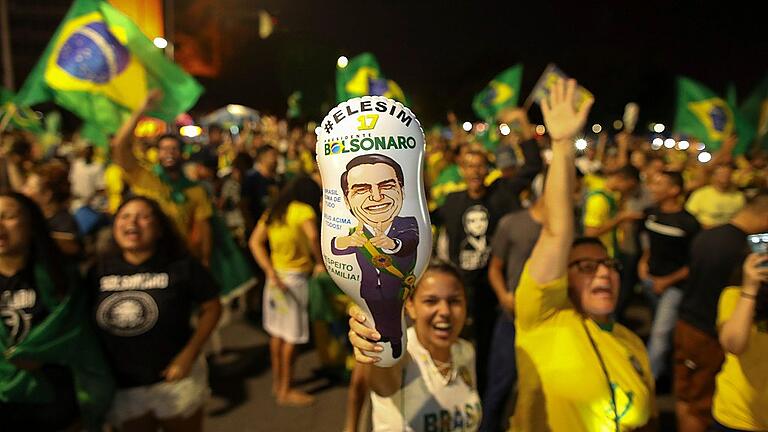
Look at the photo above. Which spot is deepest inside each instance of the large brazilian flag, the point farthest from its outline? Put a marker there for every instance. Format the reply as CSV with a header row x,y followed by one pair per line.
x,y
100,66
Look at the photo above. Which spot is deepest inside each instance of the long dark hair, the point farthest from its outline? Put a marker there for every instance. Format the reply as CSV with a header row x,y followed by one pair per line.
x,y
302,189
43,250
170,246
54,176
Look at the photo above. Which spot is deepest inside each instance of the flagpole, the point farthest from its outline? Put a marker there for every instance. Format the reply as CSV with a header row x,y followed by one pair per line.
x,y
5,35
6,120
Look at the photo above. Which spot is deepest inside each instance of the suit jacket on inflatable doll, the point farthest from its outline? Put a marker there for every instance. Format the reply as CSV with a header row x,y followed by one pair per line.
x,y
373,192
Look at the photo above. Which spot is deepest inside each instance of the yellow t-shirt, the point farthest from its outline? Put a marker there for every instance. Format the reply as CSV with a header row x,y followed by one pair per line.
x,y
113,186
197,206
741,395
289,246
597,212
712,207
307,162
562,386
593,182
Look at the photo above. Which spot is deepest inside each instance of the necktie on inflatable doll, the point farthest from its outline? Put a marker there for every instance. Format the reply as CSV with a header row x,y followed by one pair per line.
x,y
376,237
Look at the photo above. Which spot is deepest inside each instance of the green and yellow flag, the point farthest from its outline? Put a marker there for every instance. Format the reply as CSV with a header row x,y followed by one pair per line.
x,y
100,66
703,114
755,112
503,91
362,77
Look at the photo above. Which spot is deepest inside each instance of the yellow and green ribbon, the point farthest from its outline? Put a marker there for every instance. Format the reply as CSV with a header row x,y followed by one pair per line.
x,y
384,262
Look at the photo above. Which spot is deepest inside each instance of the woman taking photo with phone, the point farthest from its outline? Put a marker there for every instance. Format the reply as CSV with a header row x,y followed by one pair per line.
x,y
741,395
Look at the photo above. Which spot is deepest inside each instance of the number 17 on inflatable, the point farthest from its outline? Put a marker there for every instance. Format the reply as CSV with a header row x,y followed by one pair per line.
x,y
376,237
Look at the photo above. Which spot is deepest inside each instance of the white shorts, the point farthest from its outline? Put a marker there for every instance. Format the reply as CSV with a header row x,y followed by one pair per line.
x,y
164,400
285,312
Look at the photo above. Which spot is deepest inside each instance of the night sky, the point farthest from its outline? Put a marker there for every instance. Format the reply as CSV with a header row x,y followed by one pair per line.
x,y
442,52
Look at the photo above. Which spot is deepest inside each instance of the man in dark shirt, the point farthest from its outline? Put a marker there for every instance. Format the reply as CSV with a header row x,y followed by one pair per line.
x,y
512,244
470,219
716,256
260,185
663,267
259,188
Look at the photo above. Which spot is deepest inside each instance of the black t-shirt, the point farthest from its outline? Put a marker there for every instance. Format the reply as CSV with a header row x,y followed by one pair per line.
x,y
143,313
21,307
258,190
470,223
670,236
716,256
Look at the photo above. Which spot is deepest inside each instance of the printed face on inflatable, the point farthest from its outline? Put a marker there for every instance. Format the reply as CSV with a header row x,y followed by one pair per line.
x,y
374,193
375,230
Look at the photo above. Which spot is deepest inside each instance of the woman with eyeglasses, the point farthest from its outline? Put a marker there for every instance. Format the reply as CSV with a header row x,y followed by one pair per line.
x,y
579,371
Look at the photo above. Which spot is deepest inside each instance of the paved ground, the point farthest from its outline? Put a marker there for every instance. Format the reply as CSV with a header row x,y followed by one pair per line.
x,y
241,384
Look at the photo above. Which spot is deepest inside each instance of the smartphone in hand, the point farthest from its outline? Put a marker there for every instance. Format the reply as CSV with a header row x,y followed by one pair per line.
x,y
759,244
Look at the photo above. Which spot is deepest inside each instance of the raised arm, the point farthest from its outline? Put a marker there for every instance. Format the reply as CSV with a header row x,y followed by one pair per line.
x,y
122,143
723,155
623,139
533,163
550,255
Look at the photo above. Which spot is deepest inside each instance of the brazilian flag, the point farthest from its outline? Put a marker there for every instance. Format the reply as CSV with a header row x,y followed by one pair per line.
x,y
362,77
755,111
100,66
703,114
503,91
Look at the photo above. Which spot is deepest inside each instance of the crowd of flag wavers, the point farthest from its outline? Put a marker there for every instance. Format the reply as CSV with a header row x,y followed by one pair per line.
x,y
117,262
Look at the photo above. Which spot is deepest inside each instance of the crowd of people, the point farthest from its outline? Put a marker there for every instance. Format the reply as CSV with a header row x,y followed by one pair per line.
x,y
543,254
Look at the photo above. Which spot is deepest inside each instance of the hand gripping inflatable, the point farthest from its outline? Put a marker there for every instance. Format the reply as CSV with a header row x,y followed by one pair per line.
x,y
376,237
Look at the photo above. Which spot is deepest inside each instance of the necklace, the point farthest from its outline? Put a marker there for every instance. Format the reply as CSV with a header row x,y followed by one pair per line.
x,y
443,367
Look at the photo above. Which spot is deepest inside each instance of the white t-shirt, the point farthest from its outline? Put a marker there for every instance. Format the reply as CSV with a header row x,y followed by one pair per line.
x,y
85,179
428,401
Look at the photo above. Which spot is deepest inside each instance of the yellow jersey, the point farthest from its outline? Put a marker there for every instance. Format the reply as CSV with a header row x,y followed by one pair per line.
x,y
113,186
712,207
562,384
598,210
741,395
